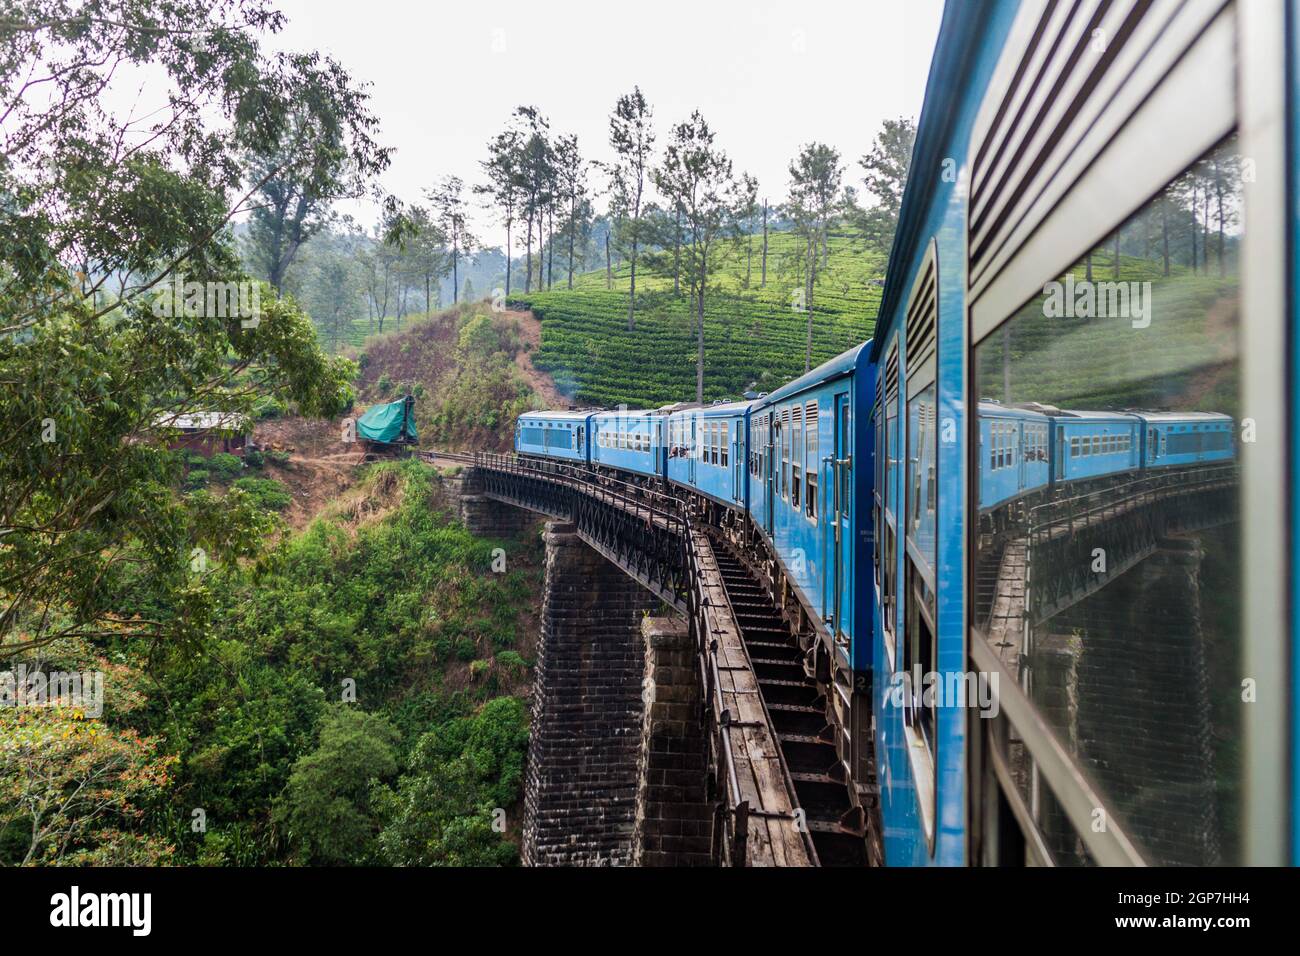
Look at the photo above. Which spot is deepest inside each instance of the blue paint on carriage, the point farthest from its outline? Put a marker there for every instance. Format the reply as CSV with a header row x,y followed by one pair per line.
x,y
1095,444
706,451
806,491
1185,438
553,434
629,441
1014,454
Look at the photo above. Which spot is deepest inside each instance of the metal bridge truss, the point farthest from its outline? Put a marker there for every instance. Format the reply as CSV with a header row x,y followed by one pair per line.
x,y
1126,522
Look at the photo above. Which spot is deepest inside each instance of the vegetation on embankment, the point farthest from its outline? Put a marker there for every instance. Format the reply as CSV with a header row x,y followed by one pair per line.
x,y
356,701
754,335
462,365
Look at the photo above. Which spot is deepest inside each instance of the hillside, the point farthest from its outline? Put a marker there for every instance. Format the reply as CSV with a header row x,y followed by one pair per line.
x,y
470,370
753,336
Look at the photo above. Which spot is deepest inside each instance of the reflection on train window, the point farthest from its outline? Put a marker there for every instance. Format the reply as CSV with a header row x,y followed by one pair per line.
x,y
1109,580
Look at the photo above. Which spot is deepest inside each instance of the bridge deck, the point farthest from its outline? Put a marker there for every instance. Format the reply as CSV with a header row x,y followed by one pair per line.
x,y
774,838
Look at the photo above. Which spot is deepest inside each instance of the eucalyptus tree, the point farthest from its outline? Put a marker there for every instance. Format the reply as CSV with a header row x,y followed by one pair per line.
x,y
536,180
815,178
504,185
450,212
698,175
571,175
631,134
101,342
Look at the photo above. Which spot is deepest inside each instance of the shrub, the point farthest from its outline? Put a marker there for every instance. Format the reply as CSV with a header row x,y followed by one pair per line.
x,y
197,478
253,458
267,493
225,464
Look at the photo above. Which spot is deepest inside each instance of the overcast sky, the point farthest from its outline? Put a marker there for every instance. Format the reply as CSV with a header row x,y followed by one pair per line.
x,y
768,76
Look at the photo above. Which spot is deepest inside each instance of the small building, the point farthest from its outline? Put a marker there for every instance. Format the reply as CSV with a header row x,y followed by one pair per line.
x,y
205,433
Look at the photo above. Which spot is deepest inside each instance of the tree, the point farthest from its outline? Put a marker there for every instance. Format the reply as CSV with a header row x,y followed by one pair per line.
x,y
571,172
815,177
748,212
632,137
93,538
536,180
503,169
326,806
426,252
698,175
449,208
460,775
71,789
886,168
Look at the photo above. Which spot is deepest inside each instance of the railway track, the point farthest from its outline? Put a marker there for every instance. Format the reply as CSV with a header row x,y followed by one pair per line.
x,y
797,710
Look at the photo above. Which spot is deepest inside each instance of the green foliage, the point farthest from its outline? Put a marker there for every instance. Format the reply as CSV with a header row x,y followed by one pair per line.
x,y
266,494
326,804
753,337
225,464
196,478
458,777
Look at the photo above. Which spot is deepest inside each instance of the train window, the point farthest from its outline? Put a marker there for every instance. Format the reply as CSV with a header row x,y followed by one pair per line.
x,y
1135,669
726,440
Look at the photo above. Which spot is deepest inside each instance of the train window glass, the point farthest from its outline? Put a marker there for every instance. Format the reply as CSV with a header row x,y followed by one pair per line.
x,y
1137,668
726,441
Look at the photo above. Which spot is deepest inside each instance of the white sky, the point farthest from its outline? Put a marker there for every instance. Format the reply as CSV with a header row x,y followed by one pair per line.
x,y
768,76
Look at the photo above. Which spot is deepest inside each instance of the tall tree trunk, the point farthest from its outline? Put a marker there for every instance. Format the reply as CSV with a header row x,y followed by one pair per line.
x,y
749,254
631,291
573,228
699,333
763,282
455,273
1164,233
528,272
428,294
609,269
677,255
1117,232
550,248
1218,190
507,257
1194,224
810,261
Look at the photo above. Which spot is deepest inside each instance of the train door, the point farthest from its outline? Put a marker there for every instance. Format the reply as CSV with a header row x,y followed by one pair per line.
x,y
694,449
773,443
1059,470
736,463
842,477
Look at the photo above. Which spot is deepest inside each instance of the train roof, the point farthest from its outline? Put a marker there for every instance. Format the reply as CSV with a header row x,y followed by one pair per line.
x,y
1083,414
1183,416
628,413
842,364
555,415
721,408
989,409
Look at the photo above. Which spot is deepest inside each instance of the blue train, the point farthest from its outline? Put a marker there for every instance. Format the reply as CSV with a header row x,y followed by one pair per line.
x,y
1104,545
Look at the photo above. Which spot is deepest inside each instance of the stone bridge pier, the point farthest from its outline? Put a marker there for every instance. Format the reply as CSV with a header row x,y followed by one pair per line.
x,y
616,769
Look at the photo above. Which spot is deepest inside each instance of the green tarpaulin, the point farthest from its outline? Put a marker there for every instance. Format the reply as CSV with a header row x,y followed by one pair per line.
x,y
391,423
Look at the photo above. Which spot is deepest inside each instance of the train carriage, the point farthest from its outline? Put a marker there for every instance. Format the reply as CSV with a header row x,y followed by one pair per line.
x,y
1015,453
810,468
1090,445
707,449
560,435
629,441
1183,438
